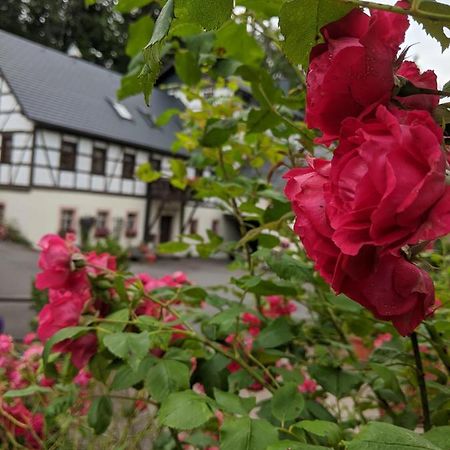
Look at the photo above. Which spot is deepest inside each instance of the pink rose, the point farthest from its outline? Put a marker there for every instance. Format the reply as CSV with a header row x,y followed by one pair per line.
x,y
56,264
353,69
63,310
381,339
308,386
387,178
278,306
98,262
6,343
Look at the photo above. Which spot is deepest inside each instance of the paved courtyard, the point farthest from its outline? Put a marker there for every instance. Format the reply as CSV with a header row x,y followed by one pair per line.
x,y
18,266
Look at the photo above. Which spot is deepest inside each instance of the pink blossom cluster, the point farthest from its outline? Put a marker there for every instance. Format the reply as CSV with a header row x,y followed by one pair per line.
x,y
70,277
362,215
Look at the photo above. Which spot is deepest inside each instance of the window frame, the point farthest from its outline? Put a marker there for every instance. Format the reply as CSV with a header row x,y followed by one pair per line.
x,y
71,228
104,230
6,138
104,151
131,232
125,174
74,146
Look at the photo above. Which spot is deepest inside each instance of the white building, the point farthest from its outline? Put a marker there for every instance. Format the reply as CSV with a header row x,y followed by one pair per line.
x,y
69,150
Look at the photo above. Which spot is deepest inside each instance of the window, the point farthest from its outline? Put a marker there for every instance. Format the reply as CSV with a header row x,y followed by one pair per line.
x,y
215,226
2,214
156,164
98,161
6,149
194,226
67,221
121,110
101,224
131,225
68,155
128,165
198,173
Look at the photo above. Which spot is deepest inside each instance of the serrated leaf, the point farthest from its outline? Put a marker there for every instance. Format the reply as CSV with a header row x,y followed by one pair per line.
x,y
294,445
277,333
217,132
439,436
435,28
100,414
322,428
166,377
232,403
184,411
166,116
131,347
187,67
247,434
146,173
301,21
152,51
287,402
139,34
210,14
335,380
125,378
379,436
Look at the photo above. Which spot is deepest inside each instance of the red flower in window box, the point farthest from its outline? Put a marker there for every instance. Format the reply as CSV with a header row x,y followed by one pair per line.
x,y
102,232
130,233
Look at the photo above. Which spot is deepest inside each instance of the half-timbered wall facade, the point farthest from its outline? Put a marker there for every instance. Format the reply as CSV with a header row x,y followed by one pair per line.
x,y
49,179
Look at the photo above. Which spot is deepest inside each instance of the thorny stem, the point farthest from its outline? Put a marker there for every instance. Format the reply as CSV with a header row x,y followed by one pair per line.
x,y
421,383
414,11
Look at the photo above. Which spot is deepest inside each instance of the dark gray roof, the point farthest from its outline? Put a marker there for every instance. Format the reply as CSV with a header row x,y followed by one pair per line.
x,y
57,90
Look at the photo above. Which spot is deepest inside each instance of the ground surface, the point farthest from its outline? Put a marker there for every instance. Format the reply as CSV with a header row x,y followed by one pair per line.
x,y
18,265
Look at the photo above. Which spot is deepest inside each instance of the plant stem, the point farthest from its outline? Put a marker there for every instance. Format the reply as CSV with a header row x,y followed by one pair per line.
x,y
415,12
421,383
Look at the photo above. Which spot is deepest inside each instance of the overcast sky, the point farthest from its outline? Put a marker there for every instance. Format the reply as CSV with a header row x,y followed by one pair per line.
x,y
427,52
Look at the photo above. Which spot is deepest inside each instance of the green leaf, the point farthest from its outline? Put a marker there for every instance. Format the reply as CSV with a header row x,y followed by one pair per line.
x,y
146,173
217,132
62,335
257,285
247,434
322,428
380,436
125,378
301,21
277,333
439,436
233,41
139,34
335,380
184,411
266,9
100,414
173,247
179,173
131,347
166,377
187,67
287,267
210,14
152,51
435,28
232,403
166,116
30,390
287,402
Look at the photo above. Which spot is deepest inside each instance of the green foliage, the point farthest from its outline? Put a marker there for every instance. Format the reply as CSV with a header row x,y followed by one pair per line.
x,y
287,402
185,410
100,414
301,21
210,14
435,28
379,436
246,434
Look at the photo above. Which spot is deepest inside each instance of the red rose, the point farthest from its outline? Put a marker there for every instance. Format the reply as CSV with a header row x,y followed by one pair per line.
x,y
387,176
383,282
411,72
353,69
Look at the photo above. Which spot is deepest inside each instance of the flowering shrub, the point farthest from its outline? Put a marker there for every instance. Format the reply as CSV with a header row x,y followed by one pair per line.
x,y
274,359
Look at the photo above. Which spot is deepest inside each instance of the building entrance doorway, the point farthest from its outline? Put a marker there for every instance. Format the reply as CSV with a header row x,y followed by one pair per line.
x,y
165,228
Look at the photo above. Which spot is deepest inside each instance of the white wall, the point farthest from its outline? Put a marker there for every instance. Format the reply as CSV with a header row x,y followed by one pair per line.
x,y
37,212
